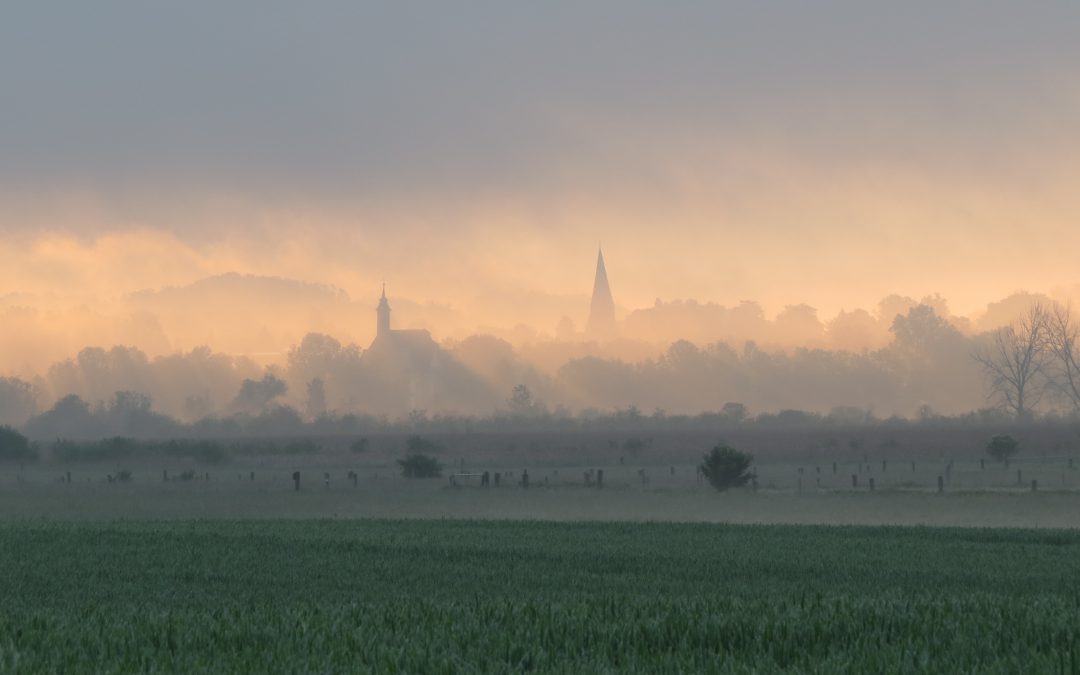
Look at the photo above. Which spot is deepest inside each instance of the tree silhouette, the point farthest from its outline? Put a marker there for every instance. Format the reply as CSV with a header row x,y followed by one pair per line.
x,y
725,467
1002,448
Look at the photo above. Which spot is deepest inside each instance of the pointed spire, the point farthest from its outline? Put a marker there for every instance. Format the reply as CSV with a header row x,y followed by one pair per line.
x,y
602,308
382,313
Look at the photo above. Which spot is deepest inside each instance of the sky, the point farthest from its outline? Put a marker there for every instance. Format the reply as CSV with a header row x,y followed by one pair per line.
x,y
475,154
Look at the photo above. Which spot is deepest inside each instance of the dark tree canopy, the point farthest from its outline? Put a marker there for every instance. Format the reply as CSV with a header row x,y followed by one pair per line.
x,y
420,466
1002,447
725,467
15,446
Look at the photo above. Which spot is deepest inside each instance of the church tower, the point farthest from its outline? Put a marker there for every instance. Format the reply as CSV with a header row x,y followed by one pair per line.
x,y
601,323
383,312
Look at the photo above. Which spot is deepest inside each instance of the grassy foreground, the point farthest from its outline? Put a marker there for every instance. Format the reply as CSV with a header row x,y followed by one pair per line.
x,y
499,597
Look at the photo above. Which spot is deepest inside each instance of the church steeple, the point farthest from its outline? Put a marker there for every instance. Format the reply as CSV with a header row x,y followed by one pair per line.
x,y
602,309
383,314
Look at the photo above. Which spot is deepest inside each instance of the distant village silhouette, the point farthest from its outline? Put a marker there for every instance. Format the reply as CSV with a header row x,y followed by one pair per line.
x,y
413,369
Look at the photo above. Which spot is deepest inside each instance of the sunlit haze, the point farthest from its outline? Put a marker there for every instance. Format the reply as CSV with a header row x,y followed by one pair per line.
x,y
172,177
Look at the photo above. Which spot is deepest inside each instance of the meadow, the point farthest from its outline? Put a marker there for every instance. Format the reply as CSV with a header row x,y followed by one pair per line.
x,y
427,596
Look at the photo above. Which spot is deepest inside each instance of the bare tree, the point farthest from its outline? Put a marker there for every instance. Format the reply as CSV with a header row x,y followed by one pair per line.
x,y
1061,340
1015,362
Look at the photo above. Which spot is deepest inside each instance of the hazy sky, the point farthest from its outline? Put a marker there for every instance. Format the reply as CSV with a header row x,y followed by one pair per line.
x,y
825,152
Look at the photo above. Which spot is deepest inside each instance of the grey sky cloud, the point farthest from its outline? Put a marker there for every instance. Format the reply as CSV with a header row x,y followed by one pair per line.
x,y
400,98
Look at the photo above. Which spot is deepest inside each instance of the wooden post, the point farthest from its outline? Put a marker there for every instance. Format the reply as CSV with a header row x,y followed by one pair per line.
x,y
208,475
498,476
355,479
1019,480
884,465
982,464
599,478
871,485
854,481
834,467
296,480
525,479
940,484
164,475
252,475
485,479
1034,485
672,471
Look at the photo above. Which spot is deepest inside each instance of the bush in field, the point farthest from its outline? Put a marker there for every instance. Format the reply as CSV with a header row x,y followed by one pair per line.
x,y
417,465
123,476
15,446
1002,447
726,467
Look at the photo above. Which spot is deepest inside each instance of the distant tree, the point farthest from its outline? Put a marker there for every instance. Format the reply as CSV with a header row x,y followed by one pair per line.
x,y
521,400
1063,342
255,395
1002,447
359,445
17,400
1015,361
14,446
316,398
735,411
420,466
725,467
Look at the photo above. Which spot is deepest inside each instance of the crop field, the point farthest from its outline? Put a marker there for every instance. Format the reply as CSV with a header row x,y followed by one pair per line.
x,y
426,596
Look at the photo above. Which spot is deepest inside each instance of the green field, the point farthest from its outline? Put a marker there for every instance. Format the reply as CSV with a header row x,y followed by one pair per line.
x,y
497,596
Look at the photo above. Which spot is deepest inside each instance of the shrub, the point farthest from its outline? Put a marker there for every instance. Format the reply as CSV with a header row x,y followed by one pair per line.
x,y
1002,447
726,467
417,465
15,446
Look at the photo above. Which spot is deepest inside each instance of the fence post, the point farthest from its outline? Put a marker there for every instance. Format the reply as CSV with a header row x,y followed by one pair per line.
x,y
1019,480
871,485
884,465
599,478
854,481
1034,485
940,484
252,475
834,467
164,475
525,479
296,480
